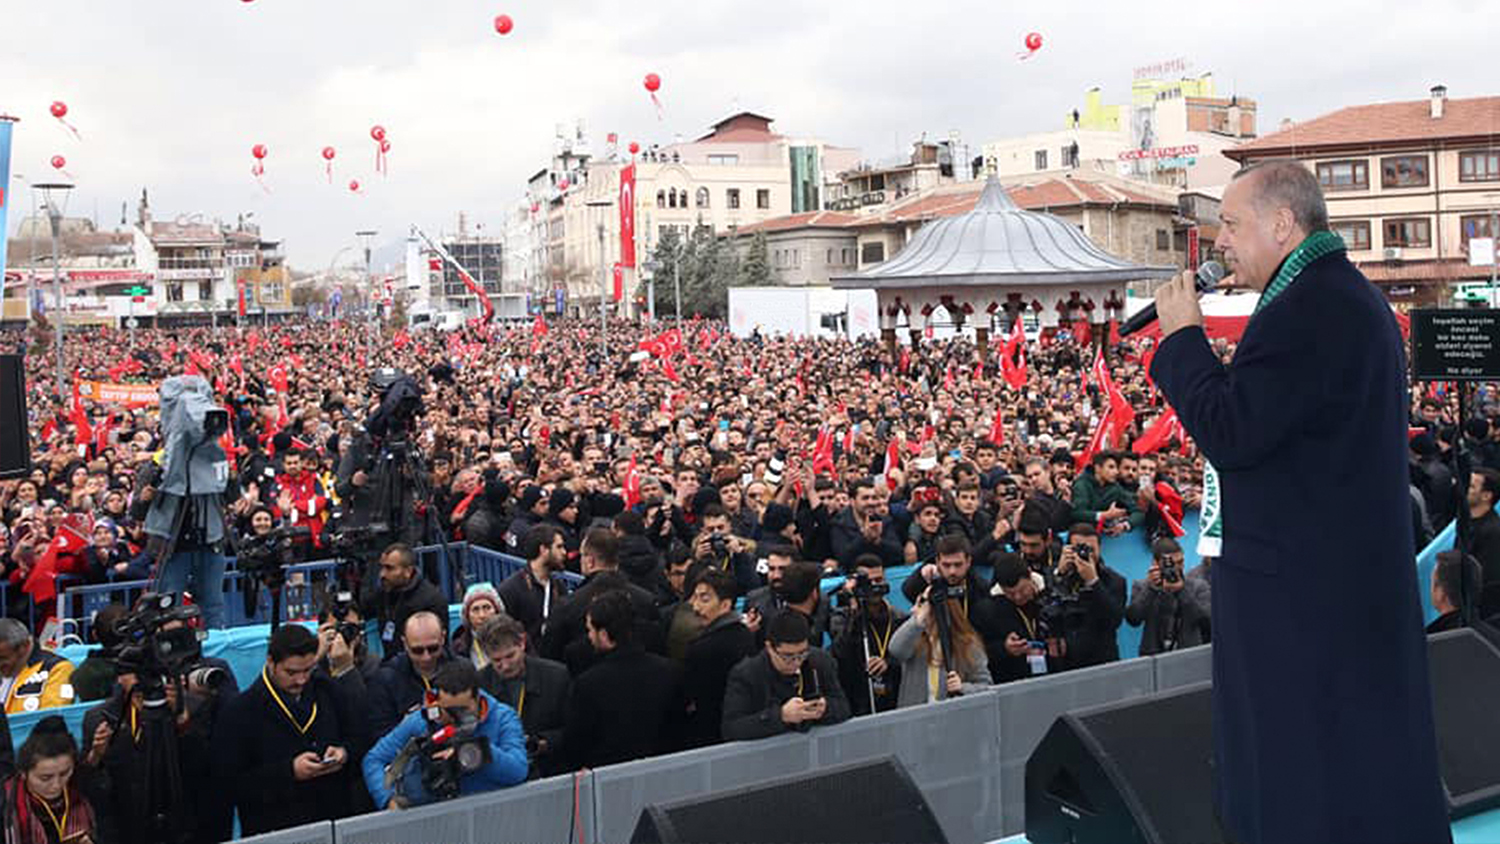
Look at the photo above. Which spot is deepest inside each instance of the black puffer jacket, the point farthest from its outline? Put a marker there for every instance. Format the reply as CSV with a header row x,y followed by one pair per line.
x,y
640,562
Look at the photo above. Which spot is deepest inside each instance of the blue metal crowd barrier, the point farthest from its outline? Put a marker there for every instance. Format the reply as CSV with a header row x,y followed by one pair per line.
x,y
486,566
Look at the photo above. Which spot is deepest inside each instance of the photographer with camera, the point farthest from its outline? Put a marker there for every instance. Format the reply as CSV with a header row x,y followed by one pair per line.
x,y
536,688
402,679
862,625
343,653
1173,607
940,654
185,519
287,750
1084,604
403,592
716,547
460,741
953,565
381,481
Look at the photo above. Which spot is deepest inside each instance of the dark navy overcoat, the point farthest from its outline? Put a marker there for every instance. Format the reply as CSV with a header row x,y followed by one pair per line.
x,y
1323,719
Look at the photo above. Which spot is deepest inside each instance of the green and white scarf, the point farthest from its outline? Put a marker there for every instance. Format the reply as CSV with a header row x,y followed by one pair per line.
x,y
1211,523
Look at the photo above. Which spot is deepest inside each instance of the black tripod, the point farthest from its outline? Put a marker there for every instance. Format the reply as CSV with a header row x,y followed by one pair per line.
x,y
162,812
403,478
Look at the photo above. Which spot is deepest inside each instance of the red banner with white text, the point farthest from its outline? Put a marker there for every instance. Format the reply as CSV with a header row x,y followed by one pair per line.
x,y
626,201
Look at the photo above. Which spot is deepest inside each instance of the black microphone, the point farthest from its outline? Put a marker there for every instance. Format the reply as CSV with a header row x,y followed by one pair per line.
x,y
1204,280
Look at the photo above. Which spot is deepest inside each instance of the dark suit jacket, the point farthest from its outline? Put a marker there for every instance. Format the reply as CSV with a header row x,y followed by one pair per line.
x,y
625,707
546,706
565,628
1307,427
253,747
710,658
756,692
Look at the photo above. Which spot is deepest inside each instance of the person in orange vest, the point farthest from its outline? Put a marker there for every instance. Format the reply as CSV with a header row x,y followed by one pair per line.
x,y
31,678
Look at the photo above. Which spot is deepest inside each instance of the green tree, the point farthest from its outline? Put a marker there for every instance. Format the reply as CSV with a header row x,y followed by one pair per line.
x,y
756,268
667,254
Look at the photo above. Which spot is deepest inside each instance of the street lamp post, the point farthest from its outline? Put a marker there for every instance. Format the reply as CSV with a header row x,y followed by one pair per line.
x,y
603,283
650,265
54,193
365,236
677,280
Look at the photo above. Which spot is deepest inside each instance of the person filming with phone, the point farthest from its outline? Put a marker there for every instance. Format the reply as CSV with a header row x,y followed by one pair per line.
x,y
1173,605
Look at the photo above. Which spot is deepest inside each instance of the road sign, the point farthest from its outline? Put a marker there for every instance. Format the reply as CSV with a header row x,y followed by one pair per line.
x,y
137,291
132,323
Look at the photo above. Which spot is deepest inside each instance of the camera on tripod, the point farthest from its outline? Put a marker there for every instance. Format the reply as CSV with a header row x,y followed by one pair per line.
x,y
400,403
264,557
158,642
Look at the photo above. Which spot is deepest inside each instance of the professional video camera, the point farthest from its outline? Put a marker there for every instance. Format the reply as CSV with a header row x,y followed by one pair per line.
x,y
442,771
262,561
864,590
155,654
188,509
400,403
339,606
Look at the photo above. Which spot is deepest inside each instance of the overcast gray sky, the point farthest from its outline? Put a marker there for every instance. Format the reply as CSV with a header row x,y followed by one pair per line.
x,y
172,94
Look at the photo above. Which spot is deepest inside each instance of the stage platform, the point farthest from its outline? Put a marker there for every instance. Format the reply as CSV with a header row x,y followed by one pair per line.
x,y
1483,828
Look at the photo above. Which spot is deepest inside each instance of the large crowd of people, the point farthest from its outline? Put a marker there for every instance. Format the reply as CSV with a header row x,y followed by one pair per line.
x,y
703,486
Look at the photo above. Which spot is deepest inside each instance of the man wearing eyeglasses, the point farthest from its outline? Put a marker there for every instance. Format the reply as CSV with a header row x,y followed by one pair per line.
x,y
790,687
400,684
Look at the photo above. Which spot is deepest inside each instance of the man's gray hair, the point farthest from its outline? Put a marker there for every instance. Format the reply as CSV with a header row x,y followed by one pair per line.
x,y
13,632
1285,182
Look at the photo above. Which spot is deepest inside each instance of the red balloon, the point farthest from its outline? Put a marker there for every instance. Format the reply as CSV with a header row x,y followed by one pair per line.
x,y
59,109
562,185
385,146
534,207
653,82
259,150
377,132
1034,41
634,147
503,24
328,153
58,162
354,185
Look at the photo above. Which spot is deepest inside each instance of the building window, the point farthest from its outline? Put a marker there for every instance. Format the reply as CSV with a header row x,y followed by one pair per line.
x,y
796,257
872,253
829,259
1475,225
763,198
702,197
1344,175
1356,233
1041,159
1403,171
1408,231
205,291
174,291
1479,166
844,256
724,159
732,197
1070,155
877,181
1163,240
661,199
270,292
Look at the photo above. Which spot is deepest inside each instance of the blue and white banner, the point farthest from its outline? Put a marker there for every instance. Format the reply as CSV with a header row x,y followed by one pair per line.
x,y
6,125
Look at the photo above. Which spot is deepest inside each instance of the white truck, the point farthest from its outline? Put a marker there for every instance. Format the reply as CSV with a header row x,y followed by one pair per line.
x,y
803,312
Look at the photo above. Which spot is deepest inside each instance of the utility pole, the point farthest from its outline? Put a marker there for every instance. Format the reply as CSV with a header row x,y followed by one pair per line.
x,y
54,193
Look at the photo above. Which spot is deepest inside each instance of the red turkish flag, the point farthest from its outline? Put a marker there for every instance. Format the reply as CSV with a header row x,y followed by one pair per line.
x,y
626,204
1013,357
279,378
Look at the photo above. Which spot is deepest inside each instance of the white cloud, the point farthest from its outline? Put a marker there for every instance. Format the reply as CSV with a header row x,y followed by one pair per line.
x,y
171,94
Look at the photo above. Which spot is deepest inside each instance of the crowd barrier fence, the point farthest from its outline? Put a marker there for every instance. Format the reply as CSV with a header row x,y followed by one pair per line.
x,y
968,756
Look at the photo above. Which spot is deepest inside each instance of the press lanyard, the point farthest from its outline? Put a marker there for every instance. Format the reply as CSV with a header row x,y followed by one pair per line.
x,y
881,644
58,825
521,701
301,728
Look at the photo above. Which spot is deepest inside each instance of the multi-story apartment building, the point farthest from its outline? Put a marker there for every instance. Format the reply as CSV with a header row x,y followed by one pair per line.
x,y
1407,185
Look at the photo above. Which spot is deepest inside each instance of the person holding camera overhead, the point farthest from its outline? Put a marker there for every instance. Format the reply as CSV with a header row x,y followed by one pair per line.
x,y
862,629
1088,599
460,741
1173,606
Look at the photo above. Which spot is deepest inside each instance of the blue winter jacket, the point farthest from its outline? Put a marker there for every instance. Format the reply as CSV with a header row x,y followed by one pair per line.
x,y
508,764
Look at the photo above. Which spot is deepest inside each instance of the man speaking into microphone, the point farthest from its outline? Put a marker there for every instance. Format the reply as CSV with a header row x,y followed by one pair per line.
x,y
1322,711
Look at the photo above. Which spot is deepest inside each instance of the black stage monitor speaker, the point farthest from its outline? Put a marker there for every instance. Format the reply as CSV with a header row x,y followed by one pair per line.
x,y
15,449
870,802
1135,771
1465,687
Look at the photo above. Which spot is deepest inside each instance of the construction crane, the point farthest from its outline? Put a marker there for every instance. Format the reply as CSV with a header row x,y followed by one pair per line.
x,y
463,274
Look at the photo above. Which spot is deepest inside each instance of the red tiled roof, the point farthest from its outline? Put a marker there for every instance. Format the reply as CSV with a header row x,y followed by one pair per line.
x,y
1396,272
1380,123
1046,194
808,220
